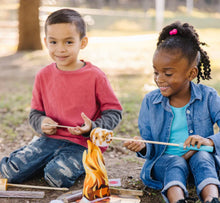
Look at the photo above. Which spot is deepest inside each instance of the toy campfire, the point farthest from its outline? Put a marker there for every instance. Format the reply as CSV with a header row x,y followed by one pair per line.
x,y
96,184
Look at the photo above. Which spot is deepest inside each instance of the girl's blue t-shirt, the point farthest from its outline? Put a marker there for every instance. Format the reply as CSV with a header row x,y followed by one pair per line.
x,y
179,131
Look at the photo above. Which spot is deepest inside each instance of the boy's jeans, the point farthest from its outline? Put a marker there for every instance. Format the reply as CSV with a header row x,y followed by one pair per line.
x,y
174,170
61,161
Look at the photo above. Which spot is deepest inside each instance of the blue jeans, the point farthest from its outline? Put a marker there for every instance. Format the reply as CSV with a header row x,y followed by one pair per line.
x,y
60,160
173,170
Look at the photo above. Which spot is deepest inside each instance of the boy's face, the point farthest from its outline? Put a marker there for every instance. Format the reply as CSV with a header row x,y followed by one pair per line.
x,y
63,42
172,73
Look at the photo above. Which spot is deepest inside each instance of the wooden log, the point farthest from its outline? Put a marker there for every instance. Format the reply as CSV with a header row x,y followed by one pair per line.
x,y
22,194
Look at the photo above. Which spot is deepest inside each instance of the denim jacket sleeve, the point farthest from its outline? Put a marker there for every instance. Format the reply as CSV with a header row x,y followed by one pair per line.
x,y
214,107
144,128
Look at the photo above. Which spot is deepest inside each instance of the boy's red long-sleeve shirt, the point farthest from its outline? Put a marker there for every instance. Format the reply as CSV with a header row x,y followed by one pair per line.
x,y
64,95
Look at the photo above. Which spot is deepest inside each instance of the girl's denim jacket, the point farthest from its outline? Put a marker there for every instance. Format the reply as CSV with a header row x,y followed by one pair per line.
x,y
155,119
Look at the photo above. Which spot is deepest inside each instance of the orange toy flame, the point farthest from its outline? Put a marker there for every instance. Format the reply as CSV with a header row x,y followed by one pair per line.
x,y
96,180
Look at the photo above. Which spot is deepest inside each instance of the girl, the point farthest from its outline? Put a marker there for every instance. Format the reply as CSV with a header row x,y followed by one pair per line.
x,y
180,111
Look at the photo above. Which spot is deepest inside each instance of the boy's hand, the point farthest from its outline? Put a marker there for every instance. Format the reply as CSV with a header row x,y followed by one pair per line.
x,y
84,129
135,146
49,130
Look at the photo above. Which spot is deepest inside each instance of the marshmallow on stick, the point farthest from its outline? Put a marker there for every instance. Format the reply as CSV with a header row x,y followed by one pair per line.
x,y
101,137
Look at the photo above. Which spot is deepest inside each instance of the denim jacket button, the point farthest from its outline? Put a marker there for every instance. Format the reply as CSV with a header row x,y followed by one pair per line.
x,y
191,131
188,111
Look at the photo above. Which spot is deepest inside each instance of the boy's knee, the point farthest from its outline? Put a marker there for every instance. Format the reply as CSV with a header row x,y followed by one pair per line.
x,y
52,180
57,176
10,170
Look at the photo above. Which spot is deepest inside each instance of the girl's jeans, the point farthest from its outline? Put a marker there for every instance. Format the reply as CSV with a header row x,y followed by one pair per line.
x,y
61,161
173,170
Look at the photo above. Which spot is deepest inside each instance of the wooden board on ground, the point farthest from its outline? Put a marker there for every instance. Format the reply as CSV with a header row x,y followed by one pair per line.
x,y
22,194
118,199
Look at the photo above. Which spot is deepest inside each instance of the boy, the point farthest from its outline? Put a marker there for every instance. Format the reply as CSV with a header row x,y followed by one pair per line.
x,y
69,92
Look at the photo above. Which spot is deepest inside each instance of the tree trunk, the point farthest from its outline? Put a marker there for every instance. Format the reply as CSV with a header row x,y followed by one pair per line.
x,y
29,27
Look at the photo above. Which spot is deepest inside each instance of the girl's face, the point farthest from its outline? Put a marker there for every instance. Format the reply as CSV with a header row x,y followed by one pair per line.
x,y
172,74
64,43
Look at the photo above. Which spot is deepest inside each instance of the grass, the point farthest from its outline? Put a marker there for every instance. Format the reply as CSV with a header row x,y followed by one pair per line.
x,y
130,94
14,109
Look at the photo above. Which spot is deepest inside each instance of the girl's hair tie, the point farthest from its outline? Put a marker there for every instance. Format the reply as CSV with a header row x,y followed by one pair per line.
x,y
173,31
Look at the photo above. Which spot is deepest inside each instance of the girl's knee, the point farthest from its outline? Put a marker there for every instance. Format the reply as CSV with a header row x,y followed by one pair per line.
x,y
202,157
179,162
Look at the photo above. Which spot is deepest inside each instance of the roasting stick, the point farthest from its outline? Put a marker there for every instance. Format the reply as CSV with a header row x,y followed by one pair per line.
x,y
103,137
145,141
202,148
53,125
119,138
37,187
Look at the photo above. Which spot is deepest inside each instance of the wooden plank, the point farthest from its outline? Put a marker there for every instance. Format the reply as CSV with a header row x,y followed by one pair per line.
x,y
22,194
119,191
114,199
121,198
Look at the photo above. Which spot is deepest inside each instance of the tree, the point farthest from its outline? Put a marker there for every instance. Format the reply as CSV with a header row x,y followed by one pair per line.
x,y
29,27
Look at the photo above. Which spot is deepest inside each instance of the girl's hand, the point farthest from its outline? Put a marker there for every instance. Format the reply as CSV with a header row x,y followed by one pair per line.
x,y
134,146
84,129
197,140
49,130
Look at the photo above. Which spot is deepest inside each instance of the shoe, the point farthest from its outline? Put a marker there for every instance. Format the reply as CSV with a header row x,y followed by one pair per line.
x,y
181,201
214,200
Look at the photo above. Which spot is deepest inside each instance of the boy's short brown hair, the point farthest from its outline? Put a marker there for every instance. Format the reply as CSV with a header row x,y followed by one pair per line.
x,y
67,16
